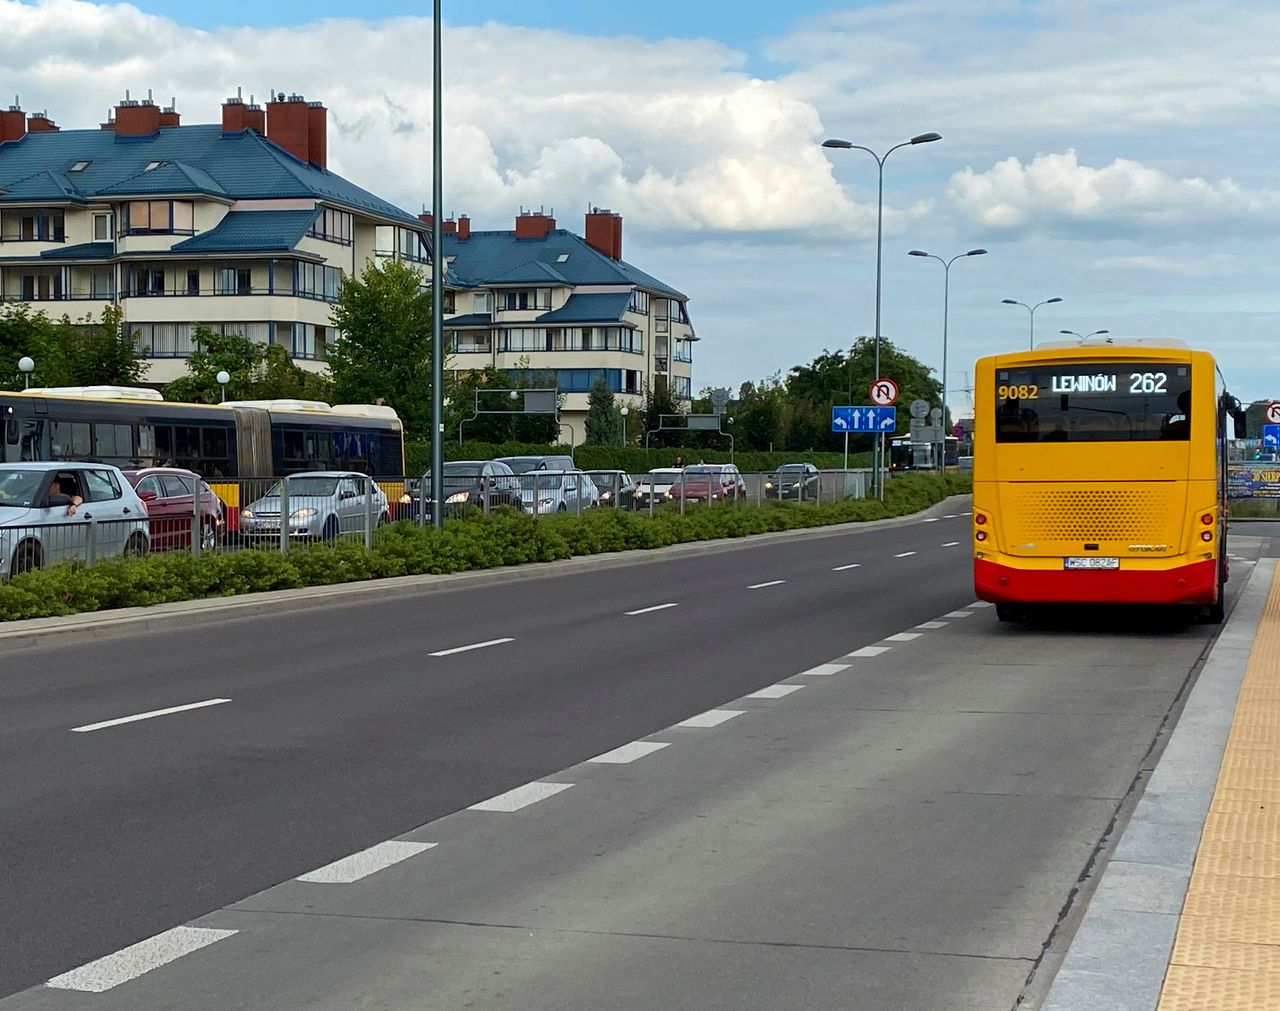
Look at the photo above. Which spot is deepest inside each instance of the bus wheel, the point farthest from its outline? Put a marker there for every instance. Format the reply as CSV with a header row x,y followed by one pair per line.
x,y
1216,613
1010,612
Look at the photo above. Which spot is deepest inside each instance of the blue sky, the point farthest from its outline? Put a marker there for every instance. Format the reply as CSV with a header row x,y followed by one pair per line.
x,y
1104,151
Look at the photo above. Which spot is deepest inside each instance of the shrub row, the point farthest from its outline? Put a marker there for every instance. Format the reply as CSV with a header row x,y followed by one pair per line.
x,y
473,542
633,459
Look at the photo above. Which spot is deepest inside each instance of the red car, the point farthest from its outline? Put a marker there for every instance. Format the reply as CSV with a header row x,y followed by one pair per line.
x,y
717,482
170,500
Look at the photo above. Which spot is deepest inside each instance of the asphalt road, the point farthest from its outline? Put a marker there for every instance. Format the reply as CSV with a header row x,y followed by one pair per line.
x,y
342,730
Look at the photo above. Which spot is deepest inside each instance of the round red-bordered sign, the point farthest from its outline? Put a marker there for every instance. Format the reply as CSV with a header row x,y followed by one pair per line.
x,y
884,392
1273,413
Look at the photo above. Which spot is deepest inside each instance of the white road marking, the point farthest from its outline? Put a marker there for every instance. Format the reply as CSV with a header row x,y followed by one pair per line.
x,y
957,614
629,752
520,797
147,716
902,637
951,516
932,519
966,514
980,603
474,645
650,610
711,718
775,692
868,651
905,554
366,862
824,670
846,568
933,624
129,963
772,582
952,544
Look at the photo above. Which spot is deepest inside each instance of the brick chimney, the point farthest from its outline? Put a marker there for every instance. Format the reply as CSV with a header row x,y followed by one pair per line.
x,y
13,123
531,225
110,124
137,118
448,227
169,115
604,232
289,125
317,134
464,228
427,219
39,122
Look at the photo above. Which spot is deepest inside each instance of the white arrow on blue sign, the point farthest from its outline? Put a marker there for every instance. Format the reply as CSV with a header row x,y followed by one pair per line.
x,y
1271,436
864,419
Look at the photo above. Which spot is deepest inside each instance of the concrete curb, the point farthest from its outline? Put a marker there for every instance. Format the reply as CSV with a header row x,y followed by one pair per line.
x,y
1118,957
97,624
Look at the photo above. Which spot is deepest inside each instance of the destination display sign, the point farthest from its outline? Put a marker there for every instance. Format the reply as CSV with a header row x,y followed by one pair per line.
x,y
1123,379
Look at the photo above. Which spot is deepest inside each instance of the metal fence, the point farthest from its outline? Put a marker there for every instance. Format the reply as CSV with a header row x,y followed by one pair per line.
x,y
279,513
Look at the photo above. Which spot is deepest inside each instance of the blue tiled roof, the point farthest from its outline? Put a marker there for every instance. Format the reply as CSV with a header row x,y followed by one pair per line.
x,y
251,231
486,256
530,272
244,166
83,251
606,307
470,319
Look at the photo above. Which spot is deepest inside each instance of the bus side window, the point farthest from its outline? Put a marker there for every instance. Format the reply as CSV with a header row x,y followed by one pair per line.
x,y
146,446
23,440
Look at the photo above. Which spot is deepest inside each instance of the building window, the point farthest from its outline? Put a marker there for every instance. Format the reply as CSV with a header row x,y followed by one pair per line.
x,y
333,226
166,217
309,340
639,302
535,298
79,166
33,226
682,387
410,245
466,342
481,302
524,339
235,281
384,241
684,351
193,282
42,287
102,228
317,281
147,281
102,282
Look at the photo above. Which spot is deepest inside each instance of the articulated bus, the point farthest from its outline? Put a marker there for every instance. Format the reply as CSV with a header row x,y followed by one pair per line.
x,y
226,444
1099,476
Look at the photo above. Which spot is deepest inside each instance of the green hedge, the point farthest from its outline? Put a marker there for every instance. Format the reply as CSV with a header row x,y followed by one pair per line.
x,y
473,542
632,459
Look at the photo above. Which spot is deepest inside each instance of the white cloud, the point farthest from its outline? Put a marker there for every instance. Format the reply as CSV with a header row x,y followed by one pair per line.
x,y
1055,191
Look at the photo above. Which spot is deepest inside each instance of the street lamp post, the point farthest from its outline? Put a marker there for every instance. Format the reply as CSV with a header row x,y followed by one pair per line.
x,y
26,366
1082,337
946,299
624,411
1031,309
437,281
844,145
223,378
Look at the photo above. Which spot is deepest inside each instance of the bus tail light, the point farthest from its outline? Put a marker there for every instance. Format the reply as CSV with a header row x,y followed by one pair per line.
x,y
1206,535
1207,519
980,519
981,535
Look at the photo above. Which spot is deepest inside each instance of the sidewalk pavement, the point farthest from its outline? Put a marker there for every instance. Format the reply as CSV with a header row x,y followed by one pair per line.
x,y
1186,916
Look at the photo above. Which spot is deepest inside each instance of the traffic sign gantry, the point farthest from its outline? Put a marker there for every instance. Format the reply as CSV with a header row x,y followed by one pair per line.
x,y
1273,413
884,392
864,419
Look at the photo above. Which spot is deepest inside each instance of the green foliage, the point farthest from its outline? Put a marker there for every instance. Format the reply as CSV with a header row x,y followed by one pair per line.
x,y
67,353
506,424
474,542
604,423
258,372
384,316
657,402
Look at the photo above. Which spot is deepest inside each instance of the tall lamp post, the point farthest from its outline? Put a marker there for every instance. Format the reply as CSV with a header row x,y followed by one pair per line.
x,y
26,366
946,299
223,378
624,411
1082,336
844,145
437,281
1031,309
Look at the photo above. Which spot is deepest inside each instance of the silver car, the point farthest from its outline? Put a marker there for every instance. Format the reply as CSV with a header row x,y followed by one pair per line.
x,y
63,511
557,491
323,505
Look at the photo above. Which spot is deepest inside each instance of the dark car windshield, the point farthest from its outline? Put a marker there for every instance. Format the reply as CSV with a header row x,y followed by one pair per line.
x,y
608,480
461,470
18,488
791,468
320,487
703,472
523,466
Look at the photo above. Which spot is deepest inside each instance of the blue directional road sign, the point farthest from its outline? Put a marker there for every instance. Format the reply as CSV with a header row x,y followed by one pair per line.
x,y
864,419
1271,436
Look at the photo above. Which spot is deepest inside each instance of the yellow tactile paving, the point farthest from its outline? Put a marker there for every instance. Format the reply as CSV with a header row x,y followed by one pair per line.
x,y
1227,953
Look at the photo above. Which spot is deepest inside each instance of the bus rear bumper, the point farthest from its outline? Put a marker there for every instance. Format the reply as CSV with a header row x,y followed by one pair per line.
x,y
1196,583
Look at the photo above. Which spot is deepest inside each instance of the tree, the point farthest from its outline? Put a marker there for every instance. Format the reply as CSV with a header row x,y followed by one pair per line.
x,y
66,353
258,372
604,423
500,421
758,415
657,402
384,317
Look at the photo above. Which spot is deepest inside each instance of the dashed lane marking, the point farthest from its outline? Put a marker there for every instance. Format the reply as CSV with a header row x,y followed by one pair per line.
x,y
979,603
762,586
869,651
951,516
824,670
933,624
520,797
148,716
366,862
904,554
846,568
775,692
711,718
903,636
650,610
629,752
952,544
474,645
958,614
129,963
932,519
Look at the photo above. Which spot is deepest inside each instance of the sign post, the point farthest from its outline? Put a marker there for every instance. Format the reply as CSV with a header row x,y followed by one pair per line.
x,y
869,420
883,393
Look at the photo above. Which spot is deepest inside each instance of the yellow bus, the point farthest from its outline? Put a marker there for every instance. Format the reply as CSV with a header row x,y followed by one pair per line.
x,y
1102,477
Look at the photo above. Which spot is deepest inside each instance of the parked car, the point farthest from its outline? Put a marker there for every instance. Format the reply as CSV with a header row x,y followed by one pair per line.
x,y
617,488
655,486
712,482
557,491
323,505
798,481
481,484
524,464
38,526
169,493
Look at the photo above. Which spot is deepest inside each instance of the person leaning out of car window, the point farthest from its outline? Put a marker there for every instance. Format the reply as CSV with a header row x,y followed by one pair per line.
x,y
57,499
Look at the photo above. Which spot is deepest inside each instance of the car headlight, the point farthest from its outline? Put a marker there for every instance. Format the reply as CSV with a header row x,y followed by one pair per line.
x,y
606,494
406,499
458,497
304,514
247,514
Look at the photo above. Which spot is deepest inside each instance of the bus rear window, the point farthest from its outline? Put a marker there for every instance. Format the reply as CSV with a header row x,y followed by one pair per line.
x,y
1093,402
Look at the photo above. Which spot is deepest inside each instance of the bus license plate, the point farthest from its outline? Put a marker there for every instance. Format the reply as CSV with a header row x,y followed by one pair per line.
x,y
1093,563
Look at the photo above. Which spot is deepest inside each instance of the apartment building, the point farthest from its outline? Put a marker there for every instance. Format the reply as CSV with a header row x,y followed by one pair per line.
x,y
544,304
238,225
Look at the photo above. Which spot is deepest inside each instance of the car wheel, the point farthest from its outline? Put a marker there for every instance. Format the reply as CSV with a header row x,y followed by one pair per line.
x,y
563,508
136,546
383,520
330,532
208,537
27,558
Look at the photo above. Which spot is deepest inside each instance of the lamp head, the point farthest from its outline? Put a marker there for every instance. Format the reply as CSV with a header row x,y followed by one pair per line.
x,y
223,377
842,144
926,138
1052,300
1009,301
917,252
976,252
26,364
